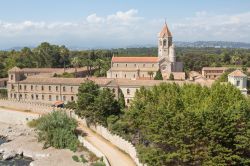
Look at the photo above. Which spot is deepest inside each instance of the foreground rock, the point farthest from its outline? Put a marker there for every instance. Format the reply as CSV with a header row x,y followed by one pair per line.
x,y
24,142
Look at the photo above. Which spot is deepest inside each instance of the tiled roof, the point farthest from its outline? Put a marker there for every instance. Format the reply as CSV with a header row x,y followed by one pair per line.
x,y
237,73
135,59
15,69
125,69
165,32
47,70
66,81
177,75
215,68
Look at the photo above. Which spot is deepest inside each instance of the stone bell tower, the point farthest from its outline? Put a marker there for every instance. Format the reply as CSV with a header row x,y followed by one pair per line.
x,y
164,42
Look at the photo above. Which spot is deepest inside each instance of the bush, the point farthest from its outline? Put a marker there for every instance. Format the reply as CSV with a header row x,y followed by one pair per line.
x,y
99,163
75,158
58,130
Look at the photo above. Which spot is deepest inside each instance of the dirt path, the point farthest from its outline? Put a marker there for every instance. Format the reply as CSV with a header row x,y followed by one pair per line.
x,y
115,156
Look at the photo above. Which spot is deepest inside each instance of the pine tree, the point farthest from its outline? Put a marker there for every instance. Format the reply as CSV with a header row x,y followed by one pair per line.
x,y
158,75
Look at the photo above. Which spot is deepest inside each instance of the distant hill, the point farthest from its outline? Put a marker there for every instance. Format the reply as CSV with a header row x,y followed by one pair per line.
x,y
215,44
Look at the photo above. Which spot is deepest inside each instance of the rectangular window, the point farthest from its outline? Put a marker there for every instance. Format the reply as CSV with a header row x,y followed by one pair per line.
x,y
238,83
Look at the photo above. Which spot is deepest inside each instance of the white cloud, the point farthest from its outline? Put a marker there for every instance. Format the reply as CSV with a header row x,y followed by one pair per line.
x,y
125,28
209,26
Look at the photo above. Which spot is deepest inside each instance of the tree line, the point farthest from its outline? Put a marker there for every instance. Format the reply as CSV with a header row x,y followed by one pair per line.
x,y
175,125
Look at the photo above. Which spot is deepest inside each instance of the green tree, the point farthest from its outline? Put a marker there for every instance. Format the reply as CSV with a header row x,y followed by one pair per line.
x,y
58,130
171,76
158,75
76,62
188,125
96,105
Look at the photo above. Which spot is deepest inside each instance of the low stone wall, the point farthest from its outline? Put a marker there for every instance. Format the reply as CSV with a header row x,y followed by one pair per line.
x,y
28,106
94,150
16,117
115,139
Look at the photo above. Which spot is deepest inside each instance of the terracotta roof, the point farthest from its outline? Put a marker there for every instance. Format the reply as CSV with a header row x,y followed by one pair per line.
x,y
150,83
136,59
237,73
133,69
66,81
215,68
165,32
177,75
15,69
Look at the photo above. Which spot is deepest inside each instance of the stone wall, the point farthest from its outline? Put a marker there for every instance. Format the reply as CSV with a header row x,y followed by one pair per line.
x,y
27,106
16,117
94,150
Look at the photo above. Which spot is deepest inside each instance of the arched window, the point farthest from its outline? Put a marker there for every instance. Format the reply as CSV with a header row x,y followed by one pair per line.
x,y
128,91
20,87
71,89
32,97
56,88
72,98
164,42
42,88
14,96
64,88
37,97
50,98
42,97
12,87
115,75
126,65
125,76
31,87
49,88
128,101
25,87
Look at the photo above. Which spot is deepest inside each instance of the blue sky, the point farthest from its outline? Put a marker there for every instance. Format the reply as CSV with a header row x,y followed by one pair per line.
x,y
120,23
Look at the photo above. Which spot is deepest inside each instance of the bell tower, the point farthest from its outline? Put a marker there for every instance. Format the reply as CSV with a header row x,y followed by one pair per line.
x,y
164,42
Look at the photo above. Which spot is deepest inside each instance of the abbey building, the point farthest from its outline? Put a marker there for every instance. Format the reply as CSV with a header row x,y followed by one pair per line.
x,y
146,67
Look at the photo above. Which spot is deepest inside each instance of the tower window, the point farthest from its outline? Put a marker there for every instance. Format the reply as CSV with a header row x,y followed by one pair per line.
x,y
164,42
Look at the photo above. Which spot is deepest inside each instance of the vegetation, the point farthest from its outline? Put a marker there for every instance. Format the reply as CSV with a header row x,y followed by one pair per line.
x,y
171,76
188,125
158,75
57,129
79,159
96,105
65,75
99,163
48,55
3,93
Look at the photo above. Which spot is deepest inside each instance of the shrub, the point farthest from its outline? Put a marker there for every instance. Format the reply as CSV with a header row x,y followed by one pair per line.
x,y
99,163
58,130
75,158
83,160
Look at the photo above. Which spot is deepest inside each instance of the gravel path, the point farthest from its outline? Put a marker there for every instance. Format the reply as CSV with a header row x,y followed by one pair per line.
x,y
115,156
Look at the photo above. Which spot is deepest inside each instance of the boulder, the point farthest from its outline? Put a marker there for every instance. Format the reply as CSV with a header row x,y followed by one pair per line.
x,y
9,155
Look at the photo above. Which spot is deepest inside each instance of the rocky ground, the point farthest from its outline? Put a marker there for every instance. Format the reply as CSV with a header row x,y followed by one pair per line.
x,y
23,141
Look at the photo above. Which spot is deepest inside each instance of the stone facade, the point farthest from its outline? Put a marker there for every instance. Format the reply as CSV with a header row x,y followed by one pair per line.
x,y
146,67
238,79
43,88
